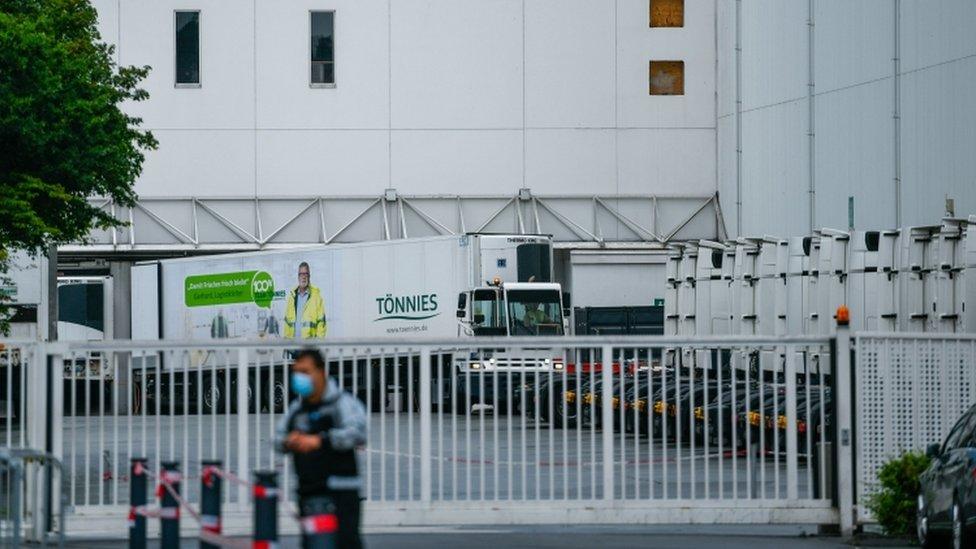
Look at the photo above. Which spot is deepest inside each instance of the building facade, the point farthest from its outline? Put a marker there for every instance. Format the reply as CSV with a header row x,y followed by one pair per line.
x,y
617,126
824,101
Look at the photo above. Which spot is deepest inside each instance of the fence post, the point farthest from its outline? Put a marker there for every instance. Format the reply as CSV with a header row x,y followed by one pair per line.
x,y
265,509
138,493
844,410
210,488
425,412
169,512
606,394
243,405
792,414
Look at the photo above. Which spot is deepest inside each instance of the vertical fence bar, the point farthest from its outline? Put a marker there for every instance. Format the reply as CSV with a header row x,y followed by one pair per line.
x,y
242,432
607,417
425,411
791,414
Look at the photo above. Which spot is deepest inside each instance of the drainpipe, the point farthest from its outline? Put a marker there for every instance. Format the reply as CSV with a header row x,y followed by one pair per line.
x,y
738,118
896,116
812,120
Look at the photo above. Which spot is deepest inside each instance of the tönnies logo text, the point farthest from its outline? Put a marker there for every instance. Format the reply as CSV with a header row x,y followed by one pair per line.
x,y
406,307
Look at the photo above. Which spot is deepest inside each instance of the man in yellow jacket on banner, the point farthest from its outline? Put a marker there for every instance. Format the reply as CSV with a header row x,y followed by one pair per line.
x,y
305,309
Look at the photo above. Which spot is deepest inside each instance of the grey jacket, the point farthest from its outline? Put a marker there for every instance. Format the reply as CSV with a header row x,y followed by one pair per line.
x,y
340,419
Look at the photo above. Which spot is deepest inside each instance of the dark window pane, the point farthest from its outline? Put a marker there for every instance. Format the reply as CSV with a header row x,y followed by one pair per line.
x,y
81,304
533,262
322,47
187,47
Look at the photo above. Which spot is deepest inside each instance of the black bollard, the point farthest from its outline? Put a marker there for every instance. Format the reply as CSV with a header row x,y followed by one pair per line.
x,y
265,509
138,490
210,500
169,512
319,523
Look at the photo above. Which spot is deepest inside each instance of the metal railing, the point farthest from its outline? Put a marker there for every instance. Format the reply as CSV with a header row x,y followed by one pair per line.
x,y
722,429
31,508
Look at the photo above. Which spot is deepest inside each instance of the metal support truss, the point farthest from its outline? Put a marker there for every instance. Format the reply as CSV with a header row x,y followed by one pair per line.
x,y
159,226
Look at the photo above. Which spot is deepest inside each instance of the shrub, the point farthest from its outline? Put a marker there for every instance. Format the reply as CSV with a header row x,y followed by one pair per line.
x,y
895,503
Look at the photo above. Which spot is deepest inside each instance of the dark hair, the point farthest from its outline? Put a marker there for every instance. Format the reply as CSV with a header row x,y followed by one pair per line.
x,y
313,354
304,264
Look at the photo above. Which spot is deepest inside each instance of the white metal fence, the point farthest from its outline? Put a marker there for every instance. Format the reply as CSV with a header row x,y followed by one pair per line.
x,y
676,429
671,430
910,391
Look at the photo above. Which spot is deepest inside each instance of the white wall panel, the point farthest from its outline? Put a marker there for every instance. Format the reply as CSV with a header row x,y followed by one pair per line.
x,y
360,98
637,45
938,141
854,42
431,97
476,162
569,63
636,279
666,161
726,159
774,165
570,161
225,98
457,64
936,32
322,162
108,20
855,156
725,42
774,49
185,165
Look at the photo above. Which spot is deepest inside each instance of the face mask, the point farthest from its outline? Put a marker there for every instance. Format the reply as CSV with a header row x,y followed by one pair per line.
x,y
302,384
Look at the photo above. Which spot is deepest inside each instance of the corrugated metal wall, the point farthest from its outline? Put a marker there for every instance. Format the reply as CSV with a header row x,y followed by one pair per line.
x,y
852,114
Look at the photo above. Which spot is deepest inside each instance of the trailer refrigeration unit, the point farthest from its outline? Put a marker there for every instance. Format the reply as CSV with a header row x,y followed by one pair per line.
x,y
446,287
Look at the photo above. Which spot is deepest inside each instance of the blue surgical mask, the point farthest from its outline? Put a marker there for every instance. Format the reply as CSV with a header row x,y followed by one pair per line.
x,y
302,384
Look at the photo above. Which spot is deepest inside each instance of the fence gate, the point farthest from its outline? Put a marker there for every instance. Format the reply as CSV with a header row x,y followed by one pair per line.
x,y
531,430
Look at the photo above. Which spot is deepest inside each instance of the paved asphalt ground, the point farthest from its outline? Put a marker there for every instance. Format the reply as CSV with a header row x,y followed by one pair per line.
x,y
562,537
476,457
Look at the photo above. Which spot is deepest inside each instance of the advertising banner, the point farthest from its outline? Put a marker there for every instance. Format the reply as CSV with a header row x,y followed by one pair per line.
x,y
375,290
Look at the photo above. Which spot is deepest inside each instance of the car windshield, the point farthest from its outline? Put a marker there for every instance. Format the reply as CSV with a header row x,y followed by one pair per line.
x,y
489,313
535,312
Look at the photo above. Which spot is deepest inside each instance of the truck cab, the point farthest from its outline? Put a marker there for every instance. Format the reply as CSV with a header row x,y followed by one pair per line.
x,y
516,309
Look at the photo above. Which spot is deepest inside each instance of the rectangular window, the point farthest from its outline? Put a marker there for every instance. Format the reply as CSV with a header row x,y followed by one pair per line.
x,y
322,26
667,13
188,48
667,77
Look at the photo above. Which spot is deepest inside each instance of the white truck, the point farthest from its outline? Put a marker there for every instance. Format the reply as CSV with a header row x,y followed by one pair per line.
x,y
397,289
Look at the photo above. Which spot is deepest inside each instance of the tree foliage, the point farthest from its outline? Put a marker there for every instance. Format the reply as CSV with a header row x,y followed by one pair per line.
x,y
64,137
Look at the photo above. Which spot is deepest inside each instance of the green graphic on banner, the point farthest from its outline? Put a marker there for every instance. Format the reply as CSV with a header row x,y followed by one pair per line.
x,y
228,289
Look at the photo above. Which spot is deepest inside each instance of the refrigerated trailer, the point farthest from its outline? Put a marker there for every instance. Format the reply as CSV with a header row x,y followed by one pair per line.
x,y
470,285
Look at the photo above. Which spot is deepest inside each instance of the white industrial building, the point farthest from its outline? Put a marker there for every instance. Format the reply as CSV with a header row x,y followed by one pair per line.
x,y
618,126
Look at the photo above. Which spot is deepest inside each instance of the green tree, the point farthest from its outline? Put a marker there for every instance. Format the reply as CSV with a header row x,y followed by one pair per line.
x,y
64,137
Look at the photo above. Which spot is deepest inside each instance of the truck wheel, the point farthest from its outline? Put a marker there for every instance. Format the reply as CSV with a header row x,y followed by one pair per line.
x,y
212,397
280,399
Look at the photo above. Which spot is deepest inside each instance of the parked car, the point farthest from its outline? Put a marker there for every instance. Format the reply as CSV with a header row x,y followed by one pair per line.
x,y
947,496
